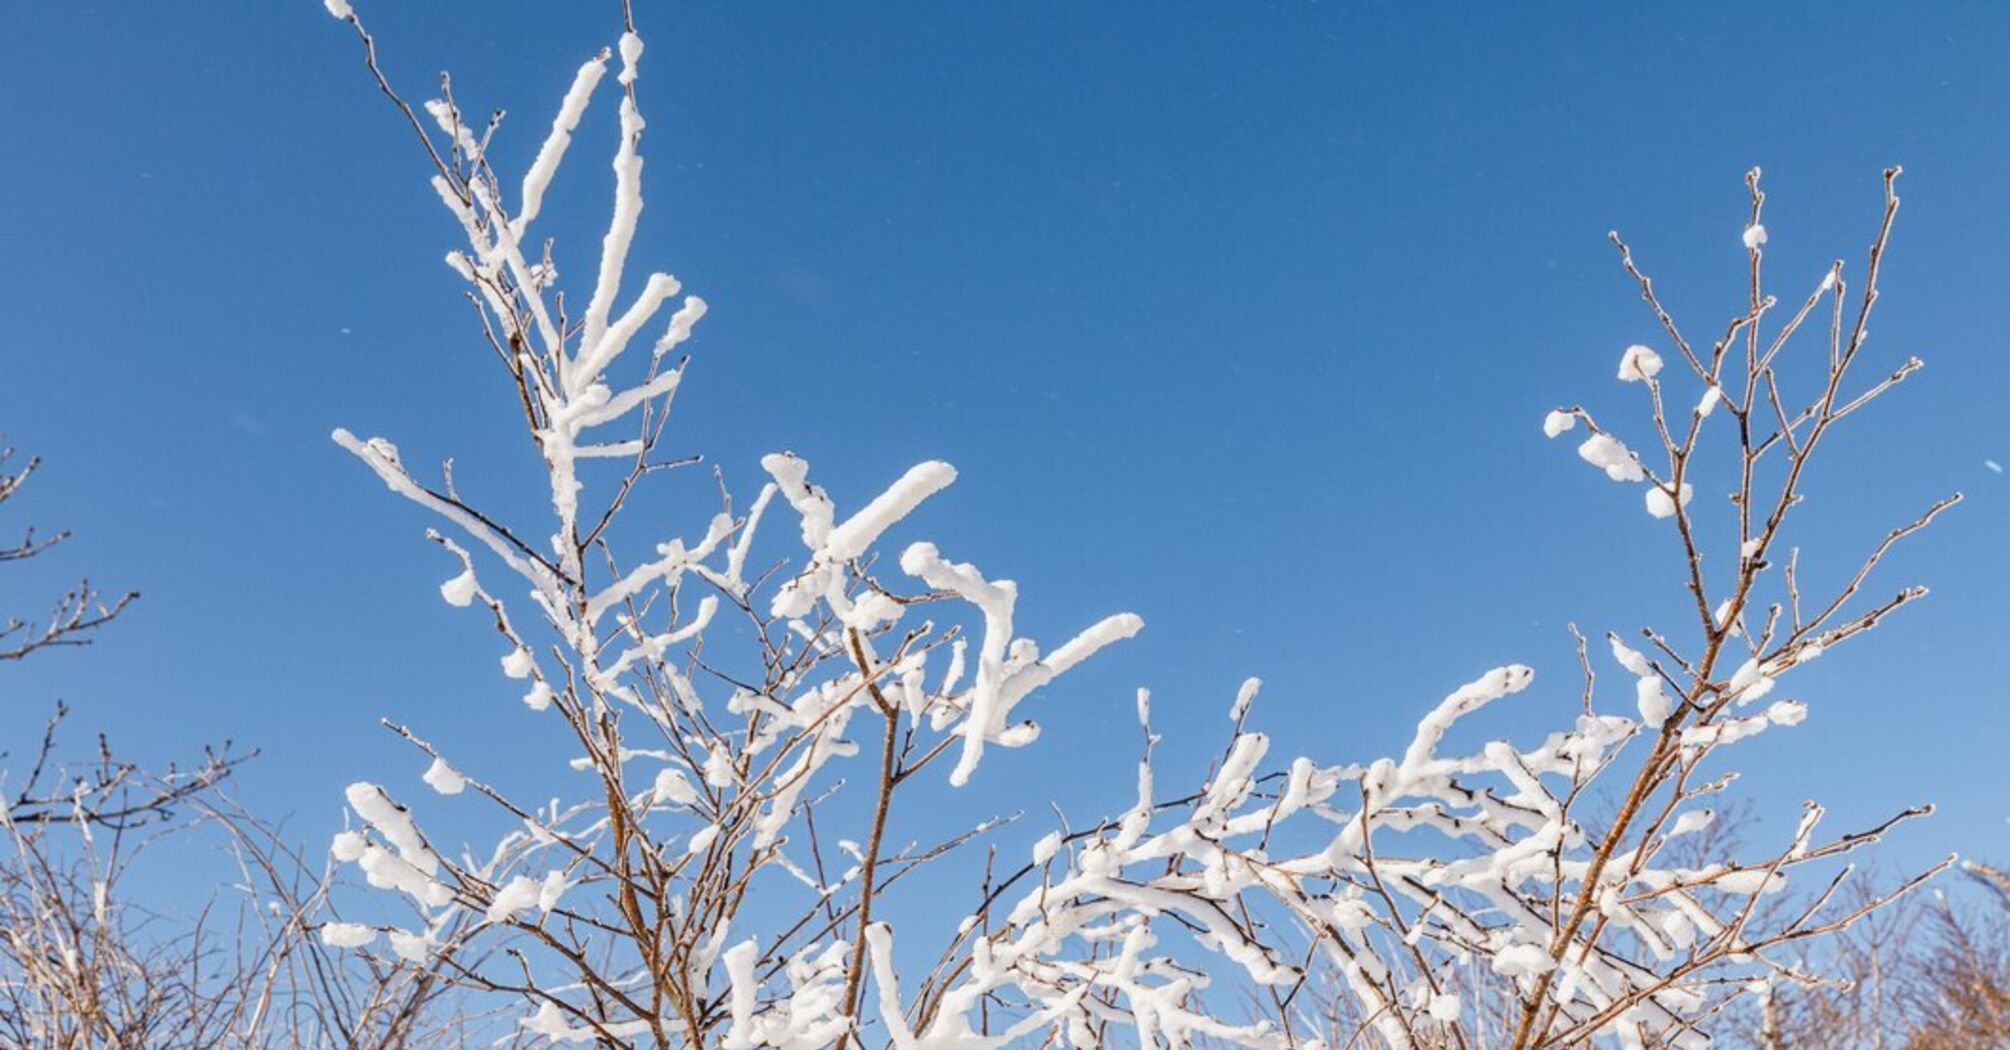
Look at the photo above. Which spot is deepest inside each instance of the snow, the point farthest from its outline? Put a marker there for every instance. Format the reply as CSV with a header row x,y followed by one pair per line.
x,y
631,53
460,591
1000,686
549,1021
594,357
517,896
1523,960
863,529
1787,712
339,8
388,871
1723,615
518,664
681,323
791,476
1630,658
411,947
627,208
1750,882
1708,403
444,778
1639,364
1693,821
1750,682
347,846
382,458
394,822
551,890
1607,453
1107,631
1243,698
1557,422
1660,505
1754,236
347,934
538,178
674,787
1653,702
1470,697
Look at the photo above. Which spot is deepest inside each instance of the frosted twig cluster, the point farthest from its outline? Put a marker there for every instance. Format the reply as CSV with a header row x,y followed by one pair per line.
x,y
711,886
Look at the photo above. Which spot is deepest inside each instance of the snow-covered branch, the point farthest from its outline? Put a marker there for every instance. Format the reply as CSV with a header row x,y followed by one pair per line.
x,y
708,887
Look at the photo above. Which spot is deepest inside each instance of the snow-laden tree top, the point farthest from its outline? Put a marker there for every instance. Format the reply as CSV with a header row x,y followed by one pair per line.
x,y
709,884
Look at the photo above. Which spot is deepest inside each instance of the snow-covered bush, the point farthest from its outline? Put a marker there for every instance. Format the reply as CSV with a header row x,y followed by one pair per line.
x,y
703,888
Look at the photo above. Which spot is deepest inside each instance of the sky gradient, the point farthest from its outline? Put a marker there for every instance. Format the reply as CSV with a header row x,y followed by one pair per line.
x,y
1243,318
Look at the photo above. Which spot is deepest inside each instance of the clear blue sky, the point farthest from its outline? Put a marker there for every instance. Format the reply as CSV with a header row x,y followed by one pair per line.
x,y
1242,317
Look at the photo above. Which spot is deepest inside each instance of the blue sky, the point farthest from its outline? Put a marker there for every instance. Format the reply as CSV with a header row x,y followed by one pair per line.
x,y
1240,317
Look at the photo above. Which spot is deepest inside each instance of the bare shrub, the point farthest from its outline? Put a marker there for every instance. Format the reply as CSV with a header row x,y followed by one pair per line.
x,y
86,961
